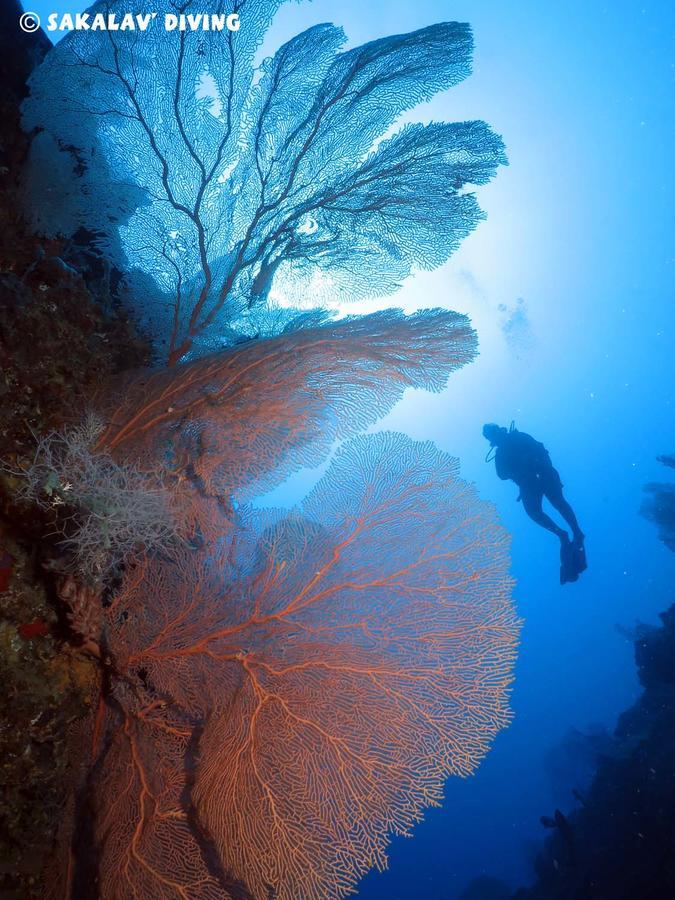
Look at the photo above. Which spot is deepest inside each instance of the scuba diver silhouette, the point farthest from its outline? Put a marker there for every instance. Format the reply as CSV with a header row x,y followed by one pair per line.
x,y
520,458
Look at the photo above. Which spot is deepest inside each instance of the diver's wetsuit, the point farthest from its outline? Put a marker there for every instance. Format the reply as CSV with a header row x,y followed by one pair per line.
x,y
521,459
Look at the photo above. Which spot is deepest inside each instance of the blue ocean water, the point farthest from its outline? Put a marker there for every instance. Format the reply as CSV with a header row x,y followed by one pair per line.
x,y
569,283
580,229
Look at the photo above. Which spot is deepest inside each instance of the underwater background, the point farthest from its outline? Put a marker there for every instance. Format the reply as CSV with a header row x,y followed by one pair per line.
x,y
569,283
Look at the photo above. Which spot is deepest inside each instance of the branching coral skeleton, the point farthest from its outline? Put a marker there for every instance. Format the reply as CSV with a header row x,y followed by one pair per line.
x,y
112,509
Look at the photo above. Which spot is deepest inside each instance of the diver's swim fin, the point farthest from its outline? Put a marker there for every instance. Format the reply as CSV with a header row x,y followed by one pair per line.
x,y
567,568
572,560
580,556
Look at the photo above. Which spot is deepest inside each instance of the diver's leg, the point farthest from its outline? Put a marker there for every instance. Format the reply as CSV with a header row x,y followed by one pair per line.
x,y
532,500
554,495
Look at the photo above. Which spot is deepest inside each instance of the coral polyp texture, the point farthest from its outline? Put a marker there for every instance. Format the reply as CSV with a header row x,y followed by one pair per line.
x,y
298,691
231,192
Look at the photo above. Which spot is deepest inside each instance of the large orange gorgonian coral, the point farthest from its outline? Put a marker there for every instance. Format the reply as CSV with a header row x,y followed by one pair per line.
x,y
243,419
287,697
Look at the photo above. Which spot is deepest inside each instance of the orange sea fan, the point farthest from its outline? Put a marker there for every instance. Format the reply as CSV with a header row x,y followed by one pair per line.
x,y
289,696
243,419
147,843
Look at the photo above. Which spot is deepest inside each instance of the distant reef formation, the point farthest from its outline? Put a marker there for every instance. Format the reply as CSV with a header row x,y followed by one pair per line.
x,y
659,505
618,843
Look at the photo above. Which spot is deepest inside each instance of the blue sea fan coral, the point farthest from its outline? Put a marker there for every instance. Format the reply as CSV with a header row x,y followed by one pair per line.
x,y
222,178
